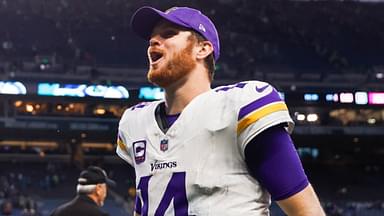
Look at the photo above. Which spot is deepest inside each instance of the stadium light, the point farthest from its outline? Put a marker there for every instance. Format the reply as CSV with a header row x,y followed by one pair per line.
x,y
379,75
376,97
312,117
311,97
29,108
300,117
346,97
100,111
18,103
361,98
371,121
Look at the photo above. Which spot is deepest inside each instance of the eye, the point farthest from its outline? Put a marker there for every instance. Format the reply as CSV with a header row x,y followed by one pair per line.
x,y
168,33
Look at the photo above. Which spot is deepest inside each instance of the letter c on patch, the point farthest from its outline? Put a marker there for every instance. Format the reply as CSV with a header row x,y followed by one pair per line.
x,y
139,148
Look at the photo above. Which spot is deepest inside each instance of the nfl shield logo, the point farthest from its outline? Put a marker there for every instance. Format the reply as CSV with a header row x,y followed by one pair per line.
x,y
164,145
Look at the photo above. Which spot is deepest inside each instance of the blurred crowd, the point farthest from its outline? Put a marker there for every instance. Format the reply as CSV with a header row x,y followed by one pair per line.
x,y
354,208
31,187
22,185
13,195
278,36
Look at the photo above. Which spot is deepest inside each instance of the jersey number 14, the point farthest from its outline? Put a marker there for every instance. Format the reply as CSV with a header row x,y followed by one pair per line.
x,y
175,191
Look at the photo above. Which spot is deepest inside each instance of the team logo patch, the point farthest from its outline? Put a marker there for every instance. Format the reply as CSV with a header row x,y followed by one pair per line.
x,y
164,145
139,148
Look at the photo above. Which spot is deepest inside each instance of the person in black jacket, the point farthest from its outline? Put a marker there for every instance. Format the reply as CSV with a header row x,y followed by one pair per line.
x,y
91,193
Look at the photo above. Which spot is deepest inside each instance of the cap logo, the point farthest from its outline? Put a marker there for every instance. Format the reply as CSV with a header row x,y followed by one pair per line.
x,y
201,27
171,9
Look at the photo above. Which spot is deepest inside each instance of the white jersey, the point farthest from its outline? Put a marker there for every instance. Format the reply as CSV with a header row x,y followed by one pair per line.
x,y
197,167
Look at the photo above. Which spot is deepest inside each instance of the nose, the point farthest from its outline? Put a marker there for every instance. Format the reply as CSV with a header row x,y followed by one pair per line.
x,y
155,40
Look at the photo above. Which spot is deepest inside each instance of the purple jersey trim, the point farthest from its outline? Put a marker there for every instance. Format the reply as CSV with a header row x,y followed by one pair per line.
x,y
272,159
138,205
171,119
270,98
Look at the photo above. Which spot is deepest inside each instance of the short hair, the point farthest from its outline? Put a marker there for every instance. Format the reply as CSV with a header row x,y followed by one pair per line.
x,y
209,61
85,189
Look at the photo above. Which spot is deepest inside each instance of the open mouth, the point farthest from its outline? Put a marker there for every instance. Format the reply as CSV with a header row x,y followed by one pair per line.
x,y
155,56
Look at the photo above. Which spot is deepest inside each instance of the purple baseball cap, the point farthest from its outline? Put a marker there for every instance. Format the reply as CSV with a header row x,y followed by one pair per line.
x,y
144,20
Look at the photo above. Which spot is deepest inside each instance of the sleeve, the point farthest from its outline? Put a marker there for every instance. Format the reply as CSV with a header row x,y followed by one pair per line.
x,y
272,159
122,149
259,106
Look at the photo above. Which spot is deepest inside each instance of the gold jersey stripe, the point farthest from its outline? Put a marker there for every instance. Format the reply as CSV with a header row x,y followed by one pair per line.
x,y
258,114
121,145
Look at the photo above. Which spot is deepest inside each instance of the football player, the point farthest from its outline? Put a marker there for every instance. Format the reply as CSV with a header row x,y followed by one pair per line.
x,y
203,151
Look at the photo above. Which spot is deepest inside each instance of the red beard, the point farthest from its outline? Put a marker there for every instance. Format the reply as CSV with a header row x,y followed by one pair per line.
x,y
176,68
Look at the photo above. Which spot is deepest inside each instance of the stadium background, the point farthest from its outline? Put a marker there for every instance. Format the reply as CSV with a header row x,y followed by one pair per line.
x,y
69,68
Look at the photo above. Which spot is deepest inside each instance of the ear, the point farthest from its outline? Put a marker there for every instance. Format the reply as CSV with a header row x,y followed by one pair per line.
x,y
205,48
98,189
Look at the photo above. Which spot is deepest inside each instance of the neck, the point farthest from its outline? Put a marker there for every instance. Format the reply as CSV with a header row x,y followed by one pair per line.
x,y
181,93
